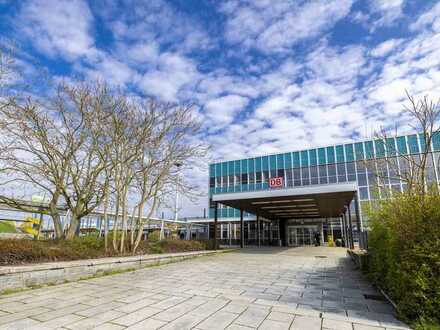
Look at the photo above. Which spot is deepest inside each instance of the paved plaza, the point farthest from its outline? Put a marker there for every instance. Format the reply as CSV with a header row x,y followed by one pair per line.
x,y
268,288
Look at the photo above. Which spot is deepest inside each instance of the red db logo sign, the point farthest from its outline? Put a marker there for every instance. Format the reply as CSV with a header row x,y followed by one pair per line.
x,y
276,182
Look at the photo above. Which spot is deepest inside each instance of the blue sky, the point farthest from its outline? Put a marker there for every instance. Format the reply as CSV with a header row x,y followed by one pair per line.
x,y
265,76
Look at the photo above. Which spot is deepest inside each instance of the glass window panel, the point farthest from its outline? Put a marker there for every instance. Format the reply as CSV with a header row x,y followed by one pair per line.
x,y
331,170
289,178
393,170
244,178
314,175
280,173
288,160
436,141
359,150
363,193
218,169
362,179
224,169
380,148
296,177
273,173
369,150
211,170
211,182
321,156
312,157
322,174
237,167
251,165
258,177
351,171
391,147
244,166
265,163
413,144
280,161
265,176
349,152
330,154
258,164
305,176
295,159
230,168
340,154
341,172
401,145
423,146
304,159
273,162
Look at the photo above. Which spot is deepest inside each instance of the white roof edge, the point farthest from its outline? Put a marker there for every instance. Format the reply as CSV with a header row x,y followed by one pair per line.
x,y
309,190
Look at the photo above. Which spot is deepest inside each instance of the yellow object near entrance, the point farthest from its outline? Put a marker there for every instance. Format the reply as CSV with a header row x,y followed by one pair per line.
x,y
31,226
330,241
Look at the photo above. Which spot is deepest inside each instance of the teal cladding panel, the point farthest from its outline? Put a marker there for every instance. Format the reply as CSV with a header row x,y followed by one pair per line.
x,y
313,157
349,152
413,144
321,156
340,154
401,145
304,158
295,159
331,155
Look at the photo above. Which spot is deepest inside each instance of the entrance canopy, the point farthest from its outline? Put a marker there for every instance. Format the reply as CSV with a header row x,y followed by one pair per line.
x,y
318,201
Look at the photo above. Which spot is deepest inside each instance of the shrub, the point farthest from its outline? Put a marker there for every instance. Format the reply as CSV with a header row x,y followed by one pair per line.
x,y
404,246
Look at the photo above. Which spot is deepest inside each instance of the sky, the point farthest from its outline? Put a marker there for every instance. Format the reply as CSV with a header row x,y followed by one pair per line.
x,y
265,76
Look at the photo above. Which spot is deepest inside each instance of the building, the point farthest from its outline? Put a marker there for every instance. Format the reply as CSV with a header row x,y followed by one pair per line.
x,y
295,198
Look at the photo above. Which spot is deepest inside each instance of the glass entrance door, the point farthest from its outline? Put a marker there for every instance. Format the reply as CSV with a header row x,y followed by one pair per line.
x,y
301,235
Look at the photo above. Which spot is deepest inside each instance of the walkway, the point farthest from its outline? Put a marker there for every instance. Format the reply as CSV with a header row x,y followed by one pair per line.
x,y
298,288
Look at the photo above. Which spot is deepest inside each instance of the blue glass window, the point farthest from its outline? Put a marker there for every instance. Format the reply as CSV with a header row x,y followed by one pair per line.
x,y
401,145
340,154
251,165
422,143
224,169
359,150
258,164
218,169
380,148
312,157
288,160
280,161
211,170
436,141
369,150
391,147
321,156
349,153
304,158
230,168
330,155
295,159
244,166
413,144
265,163
273,162
237,167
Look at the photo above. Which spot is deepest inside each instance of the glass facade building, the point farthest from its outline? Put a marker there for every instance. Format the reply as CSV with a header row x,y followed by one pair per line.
x,y
358,162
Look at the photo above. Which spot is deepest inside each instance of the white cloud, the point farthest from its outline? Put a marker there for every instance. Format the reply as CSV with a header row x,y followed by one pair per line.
x,y
386,47
429,19
59,27
387,10
222,111
273,27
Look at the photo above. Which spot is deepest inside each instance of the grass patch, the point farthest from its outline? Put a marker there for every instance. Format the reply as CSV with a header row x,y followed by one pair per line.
x,y
19,252
6,227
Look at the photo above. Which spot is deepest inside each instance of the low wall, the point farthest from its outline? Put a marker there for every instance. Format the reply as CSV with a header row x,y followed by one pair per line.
x,y
360,258
21,277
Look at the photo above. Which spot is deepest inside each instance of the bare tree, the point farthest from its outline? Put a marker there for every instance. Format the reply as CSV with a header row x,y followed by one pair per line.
x,y
407,167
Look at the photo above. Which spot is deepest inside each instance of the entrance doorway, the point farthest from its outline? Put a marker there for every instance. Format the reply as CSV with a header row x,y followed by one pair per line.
x,y
301,235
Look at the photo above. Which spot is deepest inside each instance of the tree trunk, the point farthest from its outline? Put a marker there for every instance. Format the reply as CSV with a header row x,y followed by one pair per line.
x,y
105,219
74,223
116,223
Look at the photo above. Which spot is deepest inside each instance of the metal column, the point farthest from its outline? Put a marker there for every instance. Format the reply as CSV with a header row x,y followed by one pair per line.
x,y
241,229
358,215
350,228
258,230
215,224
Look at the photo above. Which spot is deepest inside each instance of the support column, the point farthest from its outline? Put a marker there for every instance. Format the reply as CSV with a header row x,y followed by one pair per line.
x,y
258,230
350,228
241,229
358,215
322,234
215,224
341,228
344,222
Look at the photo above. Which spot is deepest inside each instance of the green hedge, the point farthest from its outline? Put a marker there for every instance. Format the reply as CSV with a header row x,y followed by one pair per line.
x,y
404,247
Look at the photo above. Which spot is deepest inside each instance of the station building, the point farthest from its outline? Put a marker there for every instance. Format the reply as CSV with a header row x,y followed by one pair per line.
x,y
291,198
